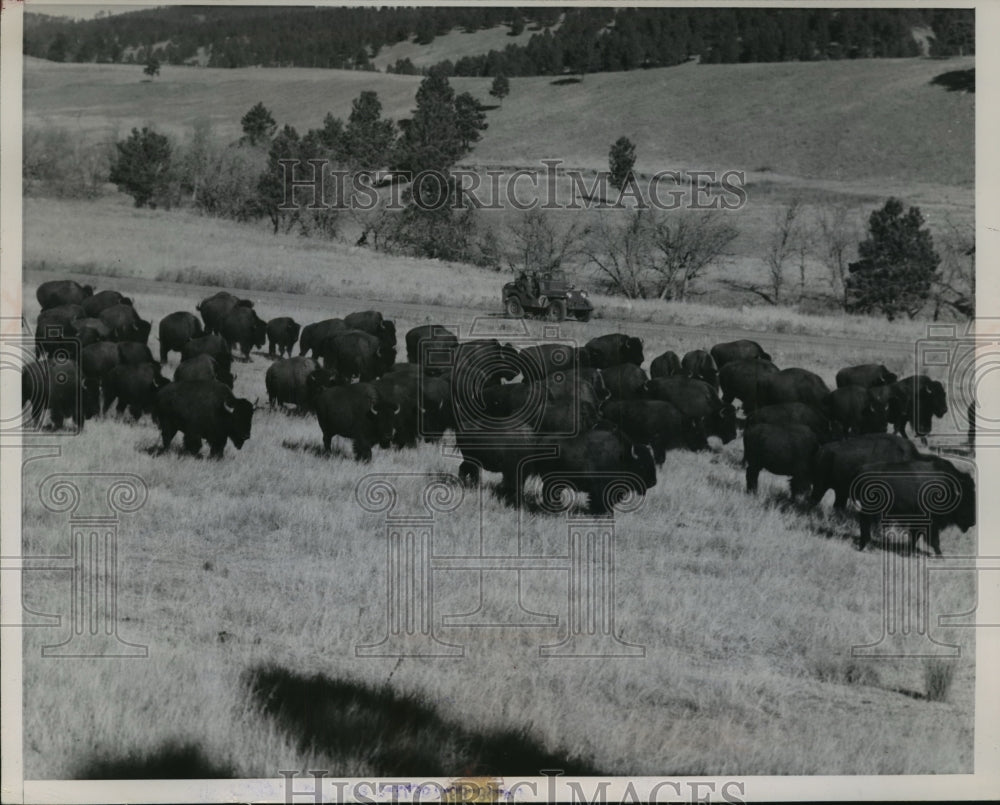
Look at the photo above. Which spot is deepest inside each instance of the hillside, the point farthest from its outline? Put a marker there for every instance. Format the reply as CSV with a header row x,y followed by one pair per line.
x,y
865,122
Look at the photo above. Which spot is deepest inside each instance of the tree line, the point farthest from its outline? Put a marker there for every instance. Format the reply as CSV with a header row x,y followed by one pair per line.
x,y
569,40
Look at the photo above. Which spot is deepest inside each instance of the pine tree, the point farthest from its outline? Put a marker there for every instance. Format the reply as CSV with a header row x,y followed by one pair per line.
x,y
897,264
431,140
368,138
500,88
621,160
258,125
470,119
142,166
152,67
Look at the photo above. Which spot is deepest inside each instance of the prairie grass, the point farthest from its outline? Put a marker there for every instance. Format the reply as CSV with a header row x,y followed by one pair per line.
x,y
747,607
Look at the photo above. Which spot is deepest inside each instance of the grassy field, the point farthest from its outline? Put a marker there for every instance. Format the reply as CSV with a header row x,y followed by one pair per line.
x,y
748,609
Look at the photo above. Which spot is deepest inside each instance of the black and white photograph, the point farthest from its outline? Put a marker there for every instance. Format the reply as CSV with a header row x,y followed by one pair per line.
x,y
478,403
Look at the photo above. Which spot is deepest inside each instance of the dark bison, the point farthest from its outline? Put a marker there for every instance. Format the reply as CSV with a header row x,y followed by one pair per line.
x,y
539,361
613,349
203,410
915,401
656,423
866,375
665,365
436,338
56,386
90,330
282,333
54,325
316,333
781,450
97,360
352,355
856,410
242,326
214,346
796,414
625,381
696,399
129,352
215,308
743,381
839,463
565,385
101,300
371,321
176,329
134,387
792,385
435,400
741,350
62,292
906,487
699,364
355,412
202,367
287,381
604,463
402,390
125,323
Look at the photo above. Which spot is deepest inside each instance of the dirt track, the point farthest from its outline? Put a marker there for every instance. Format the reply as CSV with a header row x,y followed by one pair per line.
x,y
329,306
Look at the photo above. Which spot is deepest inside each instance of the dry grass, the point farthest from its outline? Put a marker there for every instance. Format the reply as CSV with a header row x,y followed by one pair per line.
x,y
747,607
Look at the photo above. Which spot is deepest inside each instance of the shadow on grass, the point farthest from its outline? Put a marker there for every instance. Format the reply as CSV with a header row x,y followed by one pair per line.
x,y
957,80
561,82
316,449
172,761
394,734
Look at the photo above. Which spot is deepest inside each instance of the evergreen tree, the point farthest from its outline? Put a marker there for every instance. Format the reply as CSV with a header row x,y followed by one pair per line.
x,y
431,140
368,138
152,67
142,166
621,160
897,264
500,88
258,125
470,119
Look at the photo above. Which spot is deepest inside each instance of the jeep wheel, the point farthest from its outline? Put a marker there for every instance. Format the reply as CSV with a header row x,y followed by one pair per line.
x,y
514,308
583,315
556,310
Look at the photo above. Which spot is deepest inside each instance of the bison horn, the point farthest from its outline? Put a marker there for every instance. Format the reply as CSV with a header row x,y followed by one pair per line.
x,y
396,409
634,453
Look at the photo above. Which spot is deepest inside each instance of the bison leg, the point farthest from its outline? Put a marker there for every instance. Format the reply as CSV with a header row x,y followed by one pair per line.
x,y
799,485
469,472
163,353
216,448
934,538
362,451
327,439
270,349
753,473
167,433
866,531
192,443
135,411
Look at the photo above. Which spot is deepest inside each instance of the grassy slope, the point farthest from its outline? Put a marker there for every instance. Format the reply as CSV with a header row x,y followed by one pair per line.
x,y
865,121
453,45
748,609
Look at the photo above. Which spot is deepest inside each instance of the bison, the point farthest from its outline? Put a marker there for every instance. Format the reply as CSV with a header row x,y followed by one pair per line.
x,y
125,323
792,385
781,450
796,413
56,386
90,330
423,340
665,365
134,387
287,379
656,423
316,333
696,399
242,326
742,350
215,308
54,326
214,346
132,353
176,329
743,380
202,410
699,365
93,305
282,333
856,410
625,381
906,487
62,292
613,349
839,463
202,367
352,355
355,412
866,375
915,400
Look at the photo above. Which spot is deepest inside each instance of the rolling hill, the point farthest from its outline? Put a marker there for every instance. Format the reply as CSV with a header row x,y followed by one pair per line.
x,y
870,123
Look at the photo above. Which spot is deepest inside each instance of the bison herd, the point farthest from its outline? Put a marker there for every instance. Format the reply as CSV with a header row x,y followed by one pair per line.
x,y
580,418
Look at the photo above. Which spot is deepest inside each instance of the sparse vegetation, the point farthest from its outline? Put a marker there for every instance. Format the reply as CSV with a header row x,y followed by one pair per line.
x,y
939,674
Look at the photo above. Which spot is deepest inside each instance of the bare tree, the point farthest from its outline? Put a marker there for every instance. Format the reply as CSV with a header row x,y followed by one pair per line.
x,y
955,287
837,241
620,254
681,251
782,247
538,244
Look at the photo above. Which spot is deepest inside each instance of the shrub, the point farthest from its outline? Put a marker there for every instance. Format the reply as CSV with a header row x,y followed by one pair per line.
x,y
142,167
938,676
